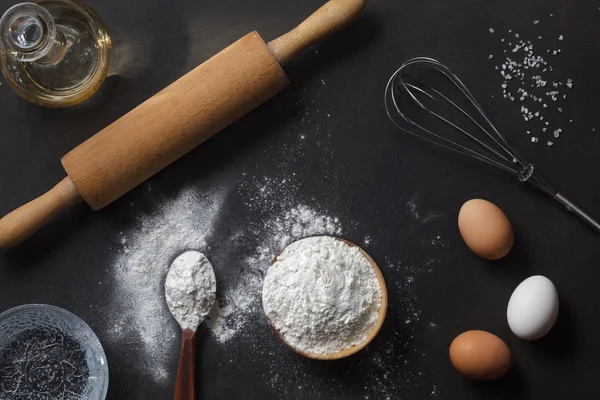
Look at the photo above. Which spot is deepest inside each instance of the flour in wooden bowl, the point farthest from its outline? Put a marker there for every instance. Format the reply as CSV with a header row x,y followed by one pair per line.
x,y
322,296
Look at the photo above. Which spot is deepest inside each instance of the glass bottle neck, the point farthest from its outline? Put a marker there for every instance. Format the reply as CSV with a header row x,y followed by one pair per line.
x,y
28,33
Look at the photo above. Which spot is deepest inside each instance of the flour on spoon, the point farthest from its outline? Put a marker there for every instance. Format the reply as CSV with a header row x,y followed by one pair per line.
x,y
190,289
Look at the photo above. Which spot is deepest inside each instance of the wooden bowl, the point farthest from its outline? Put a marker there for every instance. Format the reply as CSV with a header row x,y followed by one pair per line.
x,y
356,348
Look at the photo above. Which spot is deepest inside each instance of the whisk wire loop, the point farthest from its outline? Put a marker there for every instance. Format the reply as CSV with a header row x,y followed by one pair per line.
x,y
480,138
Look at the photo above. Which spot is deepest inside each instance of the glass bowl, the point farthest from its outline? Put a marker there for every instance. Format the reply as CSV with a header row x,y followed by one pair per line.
x,y
49,352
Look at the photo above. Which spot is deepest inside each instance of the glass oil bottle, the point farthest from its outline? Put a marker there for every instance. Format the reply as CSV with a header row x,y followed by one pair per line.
x,y
54,53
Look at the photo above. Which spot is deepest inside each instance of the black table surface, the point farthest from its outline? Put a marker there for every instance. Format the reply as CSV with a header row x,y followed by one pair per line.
x,y
330,130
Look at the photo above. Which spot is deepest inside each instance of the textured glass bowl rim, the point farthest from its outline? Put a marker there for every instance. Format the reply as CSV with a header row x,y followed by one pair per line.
x,y
52,311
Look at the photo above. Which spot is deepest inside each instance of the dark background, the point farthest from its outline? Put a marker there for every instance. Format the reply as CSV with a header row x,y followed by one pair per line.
x,y
363,171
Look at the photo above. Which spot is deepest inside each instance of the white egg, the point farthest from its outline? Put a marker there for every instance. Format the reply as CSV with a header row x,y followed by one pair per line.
x,y
533,308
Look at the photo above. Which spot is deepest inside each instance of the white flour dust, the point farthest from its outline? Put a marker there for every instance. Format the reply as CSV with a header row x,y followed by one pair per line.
x,y
190,289
276,210
322,295
241,302
139,305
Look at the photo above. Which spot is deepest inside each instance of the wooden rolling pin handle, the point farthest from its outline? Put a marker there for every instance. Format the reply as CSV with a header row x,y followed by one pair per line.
x,y
184,388
26,220
331,17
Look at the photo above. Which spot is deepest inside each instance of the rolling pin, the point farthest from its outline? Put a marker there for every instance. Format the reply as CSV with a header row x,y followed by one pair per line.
x,y
175,121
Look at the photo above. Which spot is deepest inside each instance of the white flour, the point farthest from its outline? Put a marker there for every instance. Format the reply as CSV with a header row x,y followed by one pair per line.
x,y
139,310
277,212
186,222
322,295
240,302
190,289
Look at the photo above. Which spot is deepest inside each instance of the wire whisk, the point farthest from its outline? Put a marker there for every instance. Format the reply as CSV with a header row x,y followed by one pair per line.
x,y
424,98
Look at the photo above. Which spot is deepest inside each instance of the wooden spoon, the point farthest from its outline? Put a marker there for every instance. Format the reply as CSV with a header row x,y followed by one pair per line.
x,y
184,388
182,290
356,348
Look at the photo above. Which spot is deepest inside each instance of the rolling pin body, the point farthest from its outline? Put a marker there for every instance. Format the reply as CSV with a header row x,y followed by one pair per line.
x,y
175,120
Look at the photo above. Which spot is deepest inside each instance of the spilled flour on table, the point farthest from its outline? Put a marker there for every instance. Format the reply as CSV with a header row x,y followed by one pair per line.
x,y
273,210
181,224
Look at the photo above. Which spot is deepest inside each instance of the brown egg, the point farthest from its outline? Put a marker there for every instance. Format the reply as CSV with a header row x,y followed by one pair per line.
x,y
480,355
485,229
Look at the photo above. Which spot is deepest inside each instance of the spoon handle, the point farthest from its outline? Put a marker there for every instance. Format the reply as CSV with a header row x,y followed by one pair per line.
x,y
184,388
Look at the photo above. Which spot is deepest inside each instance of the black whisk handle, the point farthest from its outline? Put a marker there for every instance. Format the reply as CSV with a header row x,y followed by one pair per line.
x,y
572,207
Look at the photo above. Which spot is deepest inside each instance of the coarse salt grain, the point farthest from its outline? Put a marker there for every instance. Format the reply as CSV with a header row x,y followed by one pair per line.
x,y
516,71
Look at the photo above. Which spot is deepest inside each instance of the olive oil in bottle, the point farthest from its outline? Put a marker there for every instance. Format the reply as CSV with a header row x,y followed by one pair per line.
x,y
54,53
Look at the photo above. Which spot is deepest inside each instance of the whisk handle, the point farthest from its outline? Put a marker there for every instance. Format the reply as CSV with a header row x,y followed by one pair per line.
x,y
578,211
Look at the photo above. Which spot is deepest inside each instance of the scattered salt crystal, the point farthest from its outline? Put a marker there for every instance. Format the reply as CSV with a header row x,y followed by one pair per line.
x,y
520,58
536,21
490,56
550,144
534,139
491,30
